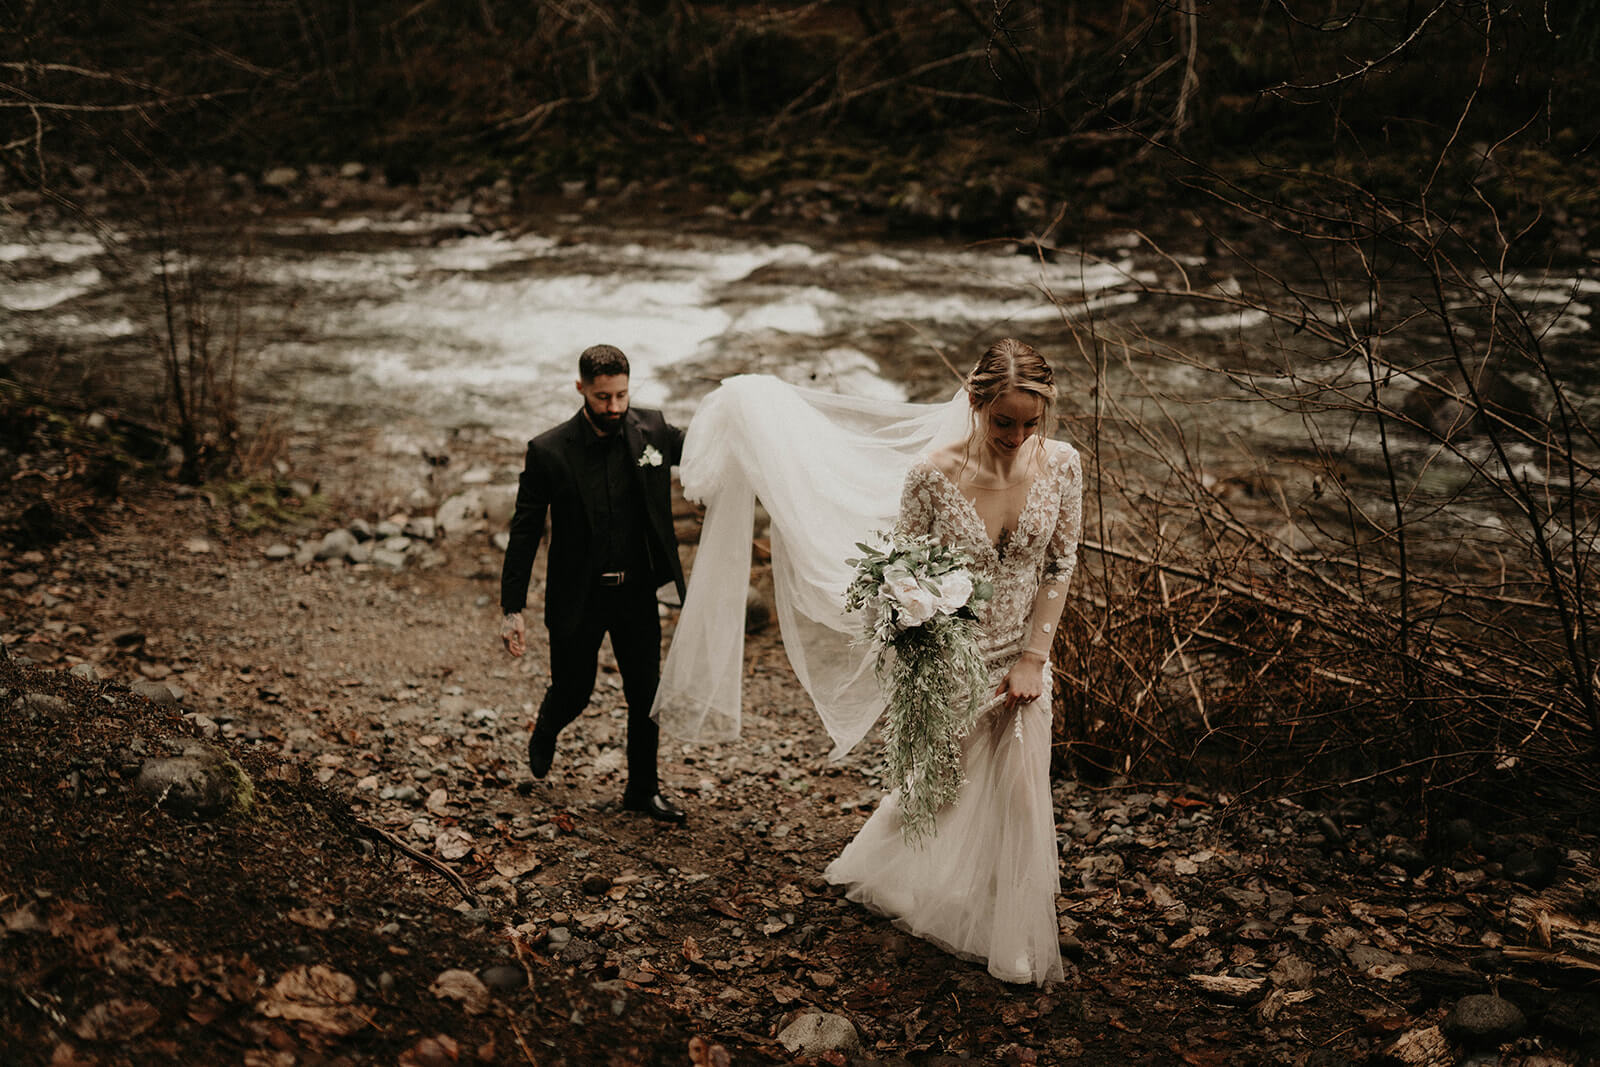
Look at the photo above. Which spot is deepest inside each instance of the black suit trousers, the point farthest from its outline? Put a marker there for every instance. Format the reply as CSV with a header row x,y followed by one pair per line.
x,y
629,614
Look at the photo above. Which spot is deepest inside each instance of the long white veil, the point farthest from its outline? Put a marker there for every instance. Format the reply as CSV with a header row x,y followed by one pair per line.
x,y
828,469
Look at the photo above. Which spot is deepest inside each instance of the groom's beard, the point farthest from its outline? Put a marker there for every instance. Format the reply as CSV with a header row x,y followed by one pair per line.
x,y
606,424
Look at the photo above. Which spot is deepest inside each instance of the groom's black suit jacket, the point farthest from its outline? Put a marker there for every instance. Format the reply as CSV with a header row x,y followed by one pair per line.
x,y
551,484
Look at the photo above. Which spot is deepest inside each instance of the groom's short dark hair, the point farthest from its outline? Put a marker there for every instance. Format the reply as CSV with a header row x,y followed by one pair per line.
x,y
599,360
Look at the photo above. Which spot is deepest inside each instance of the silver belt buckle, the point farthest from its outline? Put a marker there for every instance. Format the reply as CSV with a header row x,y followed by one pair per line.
x,y
613,577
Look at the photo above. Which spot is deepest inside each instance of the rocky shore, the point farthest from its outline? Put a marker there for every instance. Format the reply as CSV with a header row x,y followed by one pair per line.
x,y
300,781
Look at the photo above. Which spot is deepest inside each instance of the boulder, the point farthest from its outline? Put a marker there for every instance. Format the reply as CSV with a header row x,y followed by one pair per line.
x,y
201,782
461,514
499,501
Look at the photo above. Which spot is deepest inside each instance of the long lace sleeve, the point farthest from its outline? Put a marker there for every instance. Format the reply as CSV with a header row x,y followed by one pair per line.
x,y
916,501
1061,558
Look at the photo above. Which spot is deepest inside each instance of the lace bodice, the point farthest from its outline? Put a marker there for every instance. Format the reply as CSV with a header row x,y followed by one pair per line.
x,y
1030,569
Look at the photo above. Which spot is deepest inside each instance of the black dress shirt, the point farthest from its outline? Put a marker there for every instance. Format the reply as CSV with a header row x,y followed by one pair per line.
x,y
616,506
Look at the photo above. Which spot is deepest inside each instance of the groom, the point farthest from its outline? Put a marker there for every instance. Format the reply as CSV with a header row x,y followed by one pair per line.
x,y
605,479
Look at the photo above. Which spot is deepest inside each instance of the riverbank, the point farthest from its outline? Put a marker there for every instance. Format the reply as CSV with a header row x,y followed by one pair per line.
x,y
397,888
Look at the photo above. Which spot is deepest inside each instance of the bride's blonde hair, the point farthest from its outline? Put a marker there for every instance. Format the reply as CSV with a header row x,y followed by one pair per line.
x,y
1009,364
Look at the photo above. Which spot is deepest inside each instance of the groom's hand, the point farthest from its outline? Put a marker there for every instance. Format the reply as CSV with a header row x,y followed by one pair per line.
x,y
514,632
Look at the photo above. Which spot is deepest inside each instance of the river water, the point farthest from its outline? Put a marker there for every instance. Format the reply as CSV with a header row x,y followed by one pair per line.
x,y
413,323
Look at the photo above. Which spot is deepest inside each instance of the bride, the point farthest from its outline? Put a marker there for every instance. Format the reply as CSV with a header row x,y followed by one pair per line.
x,y
979,474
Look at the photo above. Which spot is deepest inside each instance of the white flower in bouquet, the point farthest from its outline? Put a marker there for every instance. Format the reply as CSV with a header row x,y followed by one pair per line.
x,y
913,604
955,590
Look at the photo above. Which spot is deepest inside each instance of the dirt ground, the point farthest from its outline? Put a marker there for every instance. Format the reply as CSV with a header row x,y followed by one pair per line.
x,y
400,891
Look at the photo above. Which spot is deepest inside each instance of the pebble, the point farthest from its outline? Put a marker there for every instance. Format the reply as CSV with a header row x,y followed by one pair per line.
x,y
335,544
161,694
504,977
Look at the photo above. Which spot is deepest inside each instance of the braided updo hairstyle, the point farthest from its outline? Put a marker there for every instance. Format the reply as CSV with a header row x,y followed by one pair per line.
x,y
1009,364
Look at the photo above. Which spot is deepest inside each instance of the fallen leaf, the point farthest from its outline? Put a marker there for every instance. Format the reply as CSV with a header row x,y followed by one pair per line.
x,y
440,1050
116,1020
453,843
515,862
462,986
318,996
725,907
438,801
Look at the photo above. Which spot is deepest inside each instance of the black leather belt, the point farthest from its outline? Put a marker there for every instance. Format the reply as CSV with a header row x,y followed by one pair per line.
x,y
612,578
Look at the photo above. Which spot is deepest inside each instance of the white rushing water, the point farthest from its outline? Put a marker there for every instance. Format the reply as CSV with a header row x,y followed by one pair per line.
x,y
405,321
355,315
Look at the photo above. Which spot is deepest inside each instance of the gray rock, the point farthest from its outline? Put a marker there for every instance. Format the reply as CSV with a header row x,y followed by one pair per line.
x,y
280,177
499,501
279,551
388,528
393,560
362,529
421,527
419,499
817,1033
460,515
201,782
1246,899
579,949
306,554
1534,866
207,726
159,693
1482,1019
360,552
501,540
396,544
504,977
336,544
87,671
43,705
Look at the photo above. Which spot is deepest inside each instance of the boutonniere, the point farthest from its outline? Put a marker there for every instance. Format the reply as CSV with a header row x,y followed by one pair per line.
x,y
650,457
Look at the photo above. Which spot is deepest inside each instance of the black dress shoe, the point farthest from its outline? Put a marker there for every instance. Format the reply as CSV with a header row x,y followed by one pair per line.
x,y
541,752
657,807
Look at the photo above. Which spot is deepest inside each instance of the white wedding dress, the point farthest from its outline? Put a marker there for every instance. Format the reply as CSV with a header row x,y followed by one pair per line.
x,y
827,469
984,885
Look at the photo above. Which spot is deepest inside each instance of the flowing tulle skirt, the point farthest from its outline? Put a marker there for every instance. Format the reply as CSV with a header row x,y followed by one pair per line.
x,y
984,886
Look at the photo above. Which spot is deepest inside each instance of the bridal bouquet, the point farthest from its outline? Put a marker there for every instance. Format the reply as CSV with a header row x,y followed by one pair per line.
x,y
917,597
